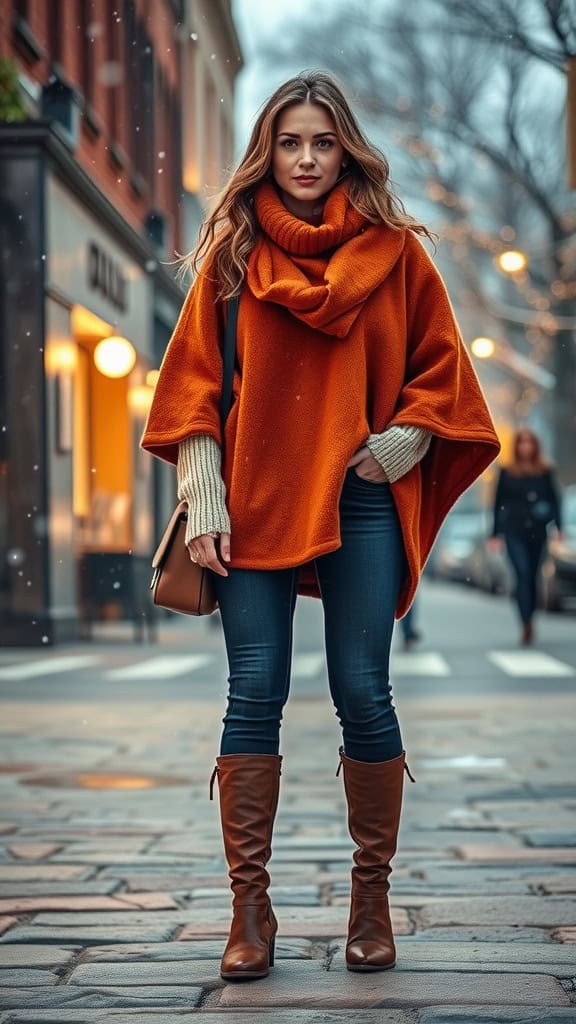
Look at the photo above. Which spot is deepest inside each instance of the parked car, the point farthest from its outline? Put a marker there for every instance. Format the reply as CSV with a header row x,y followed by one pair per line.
x,y
489,568
559,568
449,559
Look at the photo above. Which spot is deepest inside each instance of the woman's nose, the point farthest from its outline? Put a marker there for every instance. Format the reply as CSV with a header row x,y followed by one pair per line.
x,y
307,160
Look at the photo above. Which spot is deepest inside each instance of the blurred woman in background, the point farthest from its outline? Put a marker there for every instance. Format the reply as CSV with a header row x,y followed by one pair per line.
x,y
526,501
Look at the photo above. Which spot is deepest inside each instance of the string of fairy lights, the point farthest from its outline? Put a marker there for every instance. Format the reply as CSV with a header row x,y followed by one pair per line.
x,y
544,276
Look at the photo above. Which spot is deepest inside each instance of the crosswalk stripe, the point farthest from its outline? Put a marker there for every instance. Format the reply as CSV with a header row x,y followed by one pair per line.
x,y
48,666
516,663
162,667
419,663
307,665
530,663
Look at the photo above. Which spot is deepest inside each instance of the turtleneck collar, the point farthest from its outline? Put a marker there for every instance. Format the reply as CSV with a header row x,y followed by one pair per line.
x,y
323,274
340,221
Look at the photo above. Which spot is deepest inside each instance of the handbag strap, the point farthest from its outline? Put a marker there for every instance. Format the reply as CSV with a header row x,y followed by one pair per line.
x,y
229,357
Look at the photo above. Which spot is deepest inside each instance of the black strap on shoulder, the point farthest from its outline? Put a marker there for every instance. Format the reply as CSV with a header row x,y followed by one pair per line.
x,y
229,356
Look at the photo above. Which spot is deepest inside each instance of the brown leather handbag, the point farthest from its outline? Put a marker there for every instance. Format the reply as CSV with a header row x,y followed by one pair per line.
x,y
178,583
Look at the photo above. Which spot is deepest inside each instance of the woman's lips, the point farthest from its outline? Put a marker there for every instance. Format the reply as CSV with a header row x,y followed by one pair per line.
x,y
306,180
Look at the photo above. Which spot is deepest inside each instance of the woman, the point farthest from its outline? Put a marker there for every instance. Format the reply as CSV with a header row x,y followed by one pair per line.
x,y
526,501
357,422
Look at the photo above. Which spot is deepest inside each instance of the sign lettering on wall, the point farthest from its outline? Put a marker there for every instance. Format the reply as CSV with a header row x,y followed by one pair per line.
x,y
105,276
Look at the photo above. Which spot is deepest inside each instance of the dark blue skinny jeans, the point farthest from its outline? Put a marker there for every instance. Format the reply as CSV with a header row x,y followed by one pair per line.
x,y
525,554
359,584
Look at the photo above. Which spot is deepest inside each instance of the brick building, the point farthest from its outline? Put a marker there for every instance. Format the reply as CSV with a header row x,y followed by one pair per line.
x,y
98,192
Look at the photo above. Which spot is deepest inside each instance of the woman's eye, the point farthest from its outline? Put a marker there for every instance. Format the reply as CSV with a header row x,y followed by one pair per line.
x,y
321,143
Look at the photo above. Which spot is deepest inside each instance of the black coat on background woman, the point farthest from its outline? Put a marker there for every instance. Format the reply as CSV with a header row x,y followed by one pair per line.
x,y
525,503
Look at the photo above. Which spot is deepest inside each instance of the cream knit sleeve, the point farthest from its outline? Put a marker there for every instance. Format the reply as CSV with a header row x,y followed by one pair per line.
x,y
200,483
399,448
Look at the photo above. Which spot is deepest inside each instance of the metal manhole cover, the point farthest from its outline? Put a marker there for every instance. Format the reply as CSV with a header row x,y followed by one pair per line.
x,y
104,780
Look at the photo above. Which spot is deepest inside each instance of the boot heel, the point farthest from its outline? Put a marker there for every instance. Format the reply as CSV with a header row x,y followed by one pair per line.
x,y
271,947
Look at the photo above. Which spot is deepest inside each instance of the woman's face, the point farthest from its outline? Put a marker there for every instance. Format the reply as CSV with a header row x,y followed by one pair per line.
x,y
525,447
307,156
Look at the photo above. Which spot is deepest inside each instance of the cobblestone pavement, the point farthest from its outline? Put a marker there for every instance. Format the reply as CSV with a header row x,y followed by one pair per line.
x,y
114,904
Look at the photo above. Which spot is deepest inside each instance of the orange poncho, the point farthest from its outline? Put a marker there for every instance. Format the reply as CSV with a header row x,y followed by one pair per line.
x,y
343,330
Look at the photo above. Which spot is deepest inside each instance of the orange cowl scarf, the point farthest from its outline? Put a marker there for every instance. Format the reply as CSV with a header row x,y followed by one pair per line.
x,y
344,329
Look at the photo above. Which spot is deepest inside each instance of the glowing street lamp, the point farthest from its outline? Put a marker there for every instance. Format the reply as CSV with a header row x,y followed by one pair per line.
x,y
512,261
115,356
520,365
61,356
483,348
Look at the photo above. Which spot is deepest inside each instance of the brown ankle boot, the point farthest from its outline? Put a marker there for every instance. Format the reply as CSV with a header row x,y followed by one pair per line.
x,y
527,634
249,786
374,795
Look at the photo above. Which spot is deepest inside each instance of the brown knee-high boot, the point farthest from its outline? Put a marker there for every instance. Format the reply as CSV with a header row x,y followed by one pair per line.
x,y
374,796
249,786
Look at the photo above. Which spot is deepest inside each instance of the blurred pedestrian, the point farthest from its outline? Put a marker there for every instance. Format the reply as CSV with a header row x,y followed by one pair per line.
x,y
358,421
410,632
525,503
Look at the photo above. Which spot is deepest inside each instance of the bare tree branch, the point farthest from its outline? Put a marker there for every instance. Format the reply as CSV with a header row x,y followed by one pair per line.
x,y
467,101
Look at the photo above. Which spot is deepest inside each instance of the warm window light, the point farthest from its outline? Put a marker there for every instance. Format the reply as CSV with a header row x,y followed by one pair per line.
x,y
152,378
511,261
483,348
139,399
60,357
85,325
115,356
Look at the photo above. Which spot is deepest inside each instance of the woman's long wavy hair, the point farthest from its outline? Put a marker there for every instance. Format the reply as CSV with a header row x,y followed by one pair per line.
x,y
230,232
537,462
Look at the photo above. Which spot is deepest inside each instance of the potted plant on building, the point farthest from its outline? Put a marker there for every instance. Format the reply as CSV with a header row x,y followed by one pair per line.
x,y
11,103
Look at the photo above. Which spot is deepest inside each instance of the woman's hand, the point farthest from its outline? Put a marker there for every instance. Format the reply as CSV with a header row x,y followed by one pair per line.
x,y
367,466
203,551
